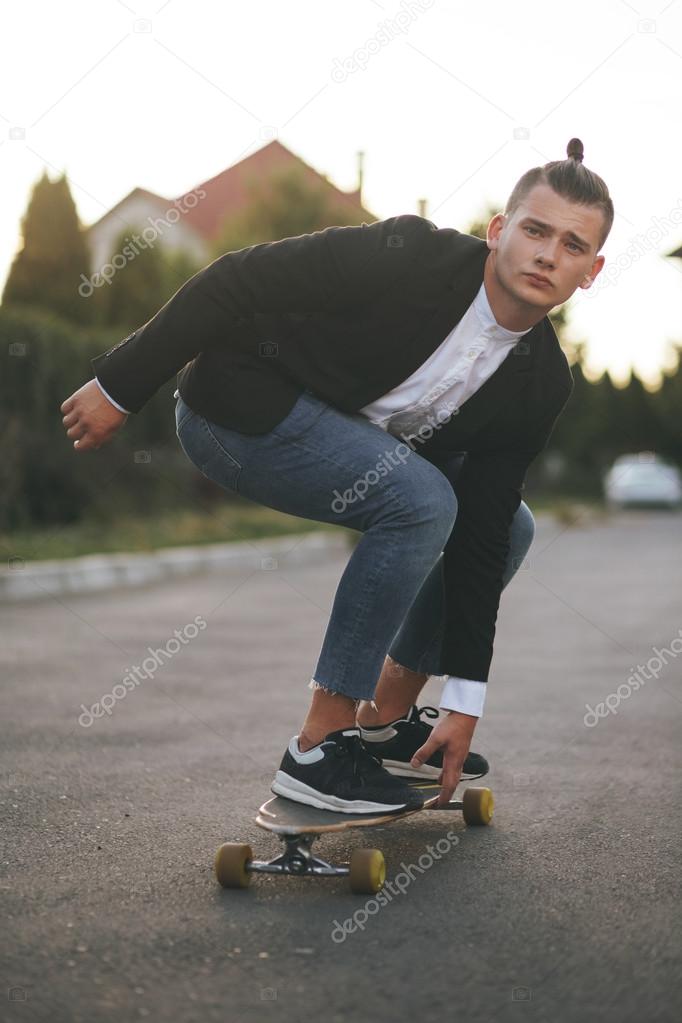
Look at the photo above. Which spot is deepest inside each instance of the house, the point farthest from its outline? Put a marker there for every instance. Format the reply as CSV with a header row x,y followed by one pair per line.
x,y
191,222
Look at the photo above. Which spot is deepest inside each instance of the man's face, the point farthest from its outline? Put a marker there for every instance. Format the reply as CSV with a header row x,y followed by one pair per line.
x,y
564,251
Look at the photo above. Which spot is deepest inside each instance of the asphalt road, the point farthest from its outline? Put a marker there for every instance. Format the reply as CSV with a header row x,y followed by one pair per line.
x,y
566,908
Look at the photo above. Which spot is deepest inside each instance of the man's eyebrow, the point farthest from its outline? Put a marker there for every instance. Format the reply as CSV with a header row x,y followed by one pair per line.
x,y
548,227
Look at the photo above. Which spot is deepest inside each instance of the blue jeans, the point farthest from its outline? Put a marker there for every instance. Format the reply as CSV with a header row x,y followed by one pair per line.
x,y
330,466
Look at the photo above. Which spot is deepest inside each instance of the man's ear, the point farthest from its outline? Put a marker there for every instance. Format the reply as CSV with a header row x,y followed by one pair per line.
x,y
588,279
494,228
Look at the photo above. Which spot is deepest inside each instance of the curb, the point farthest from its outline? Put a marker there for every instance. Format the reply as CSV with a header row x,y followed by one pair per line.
x,y
95,572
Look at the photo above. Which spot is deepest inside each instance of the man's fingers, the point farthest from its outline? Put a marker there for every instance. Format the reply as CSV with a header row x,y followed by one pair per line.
x,y
449,784
82,437
424,752
77,430
84,443
89,418
450,775
86,436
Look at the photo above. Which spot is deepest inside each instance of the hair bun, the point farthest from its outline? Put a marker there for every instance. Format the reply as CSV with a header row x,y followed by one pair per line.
x,y
575,151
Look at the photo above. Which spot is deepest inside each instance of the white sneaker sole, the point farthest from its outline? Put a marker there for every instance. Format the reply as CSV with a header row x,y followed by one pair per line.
x,y
291,788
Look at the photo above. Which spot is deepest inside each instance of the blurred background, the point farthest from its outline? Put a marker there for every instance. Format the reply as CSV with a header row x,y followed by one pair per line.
x,y
137,146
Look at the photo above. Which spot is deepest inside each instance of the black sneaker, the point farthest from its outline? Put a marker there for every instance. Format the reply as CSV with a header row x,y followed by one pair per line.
x,y
340,774
397,742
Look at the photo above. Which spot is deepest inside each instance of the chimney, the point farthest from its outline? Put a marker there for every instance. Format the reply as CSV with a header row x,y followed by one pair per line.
x,y
361,158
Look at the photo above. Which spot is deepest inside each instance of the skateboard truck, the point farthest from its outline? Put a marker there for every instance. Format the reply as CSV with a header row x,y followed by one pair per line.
x,y
298,825
298,859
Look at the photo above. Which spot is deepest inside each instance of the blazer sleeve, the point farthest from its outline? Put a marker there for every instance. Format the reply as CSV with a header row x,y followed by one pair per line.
x,y
330,269
488,491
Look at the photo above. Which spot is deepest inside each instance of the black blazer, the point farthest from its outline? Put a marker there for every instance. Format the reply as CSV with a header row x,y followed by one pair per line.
x,y
349,313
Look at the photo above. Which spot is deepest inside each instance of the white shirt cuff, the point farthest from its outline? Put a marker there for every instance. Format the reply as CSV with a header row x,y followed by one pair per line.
x,y
464,695
108,396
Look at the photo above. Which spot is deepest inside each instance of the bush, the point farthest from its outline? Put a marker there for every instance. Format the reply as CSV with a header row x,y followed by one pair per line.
x,y
43,481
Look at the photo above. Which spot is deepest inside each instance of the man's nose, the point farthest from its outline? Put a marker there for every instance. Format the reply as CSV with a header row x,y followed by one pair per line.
x,y
547,254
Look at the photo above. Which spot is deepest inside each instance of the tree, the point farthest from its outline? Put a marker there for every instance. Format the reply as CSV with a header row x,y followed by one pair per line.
x,y
283,207
138,288
638,422
667,403
46,272
479,226
578,431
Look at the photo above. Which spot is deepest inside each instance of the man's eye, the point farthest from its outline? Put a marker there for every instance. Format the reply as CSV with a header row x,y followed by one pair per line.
x,y
531,229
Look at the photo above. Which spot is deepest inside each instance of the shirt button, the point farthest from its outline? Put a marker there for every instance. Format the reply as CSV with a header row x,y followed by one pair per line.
x,y
472,353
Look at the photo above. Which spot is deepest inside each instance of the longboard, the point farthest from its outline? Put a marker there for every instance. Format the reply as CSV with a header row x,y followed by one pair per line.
x,y
298,825
287,817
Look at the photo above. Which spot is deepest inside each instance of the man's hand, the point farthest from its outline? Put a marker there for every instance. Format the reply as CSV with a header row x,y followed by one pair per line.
x,y
90,418
453,735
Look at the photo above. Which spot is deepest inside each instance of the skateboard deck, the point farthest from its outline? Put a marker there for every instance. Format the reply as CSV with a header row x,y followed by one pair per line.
x,y
298,825
287,817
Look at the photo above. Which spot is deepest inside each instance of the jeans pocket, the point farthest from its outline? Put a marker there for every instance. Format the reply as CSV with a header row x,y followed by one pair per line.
x,y
301,417
207,451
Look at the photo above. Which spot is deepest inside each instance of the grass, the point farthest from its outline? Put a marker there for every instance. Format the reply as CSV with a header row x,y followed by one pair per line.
x,y
227,523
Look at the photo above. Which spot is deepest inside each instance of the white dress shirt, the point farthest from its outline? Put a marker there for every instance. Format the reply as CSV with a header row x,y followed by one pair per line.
x,y
471,353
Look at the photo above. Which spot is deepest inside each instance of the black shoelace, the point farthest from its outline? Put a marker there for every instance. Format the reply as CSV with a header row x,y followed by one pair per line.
x,y
353,746
416,718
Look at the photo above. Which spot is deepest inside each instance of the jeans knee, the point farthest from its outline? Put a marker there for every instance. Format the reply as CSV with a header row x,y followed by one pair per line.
x,y
523,528
446,511
433,507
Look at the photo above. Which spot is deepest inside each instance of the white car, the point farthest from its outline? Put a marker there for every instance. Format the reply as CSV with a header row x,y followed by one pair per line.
x,y
642,479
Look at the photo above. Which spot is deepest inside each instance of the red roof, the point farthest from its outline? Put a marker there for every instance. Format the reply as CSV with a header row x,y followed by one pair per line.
x,y
227,193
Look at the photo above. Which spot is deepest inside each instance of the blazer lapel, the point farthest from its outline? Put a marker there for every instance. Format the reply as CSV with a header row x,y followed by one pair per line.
x,y
512,376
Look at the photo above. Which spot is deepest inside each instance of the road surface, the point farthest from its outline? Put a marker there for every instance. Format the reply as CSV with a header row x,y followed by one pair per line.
x,y
566,908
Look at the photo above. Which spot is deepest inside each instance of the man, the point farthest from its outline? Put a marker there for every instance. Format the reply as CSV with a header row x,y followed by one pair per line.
x,y
302,358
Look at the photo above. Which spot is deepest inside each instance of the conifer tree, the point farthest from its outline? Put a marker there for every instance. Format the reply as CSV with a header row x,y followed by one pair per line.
x,y
46,271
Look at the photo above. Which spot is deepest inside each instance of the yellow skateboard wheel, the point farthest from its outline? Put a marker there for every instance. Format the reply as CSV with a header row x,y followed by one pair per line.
x,y
230,865
367,871
478,805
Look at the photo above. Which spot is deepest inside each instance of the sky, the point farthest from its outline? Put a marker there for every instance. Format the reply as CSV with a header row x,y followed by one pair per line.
x,y
449,101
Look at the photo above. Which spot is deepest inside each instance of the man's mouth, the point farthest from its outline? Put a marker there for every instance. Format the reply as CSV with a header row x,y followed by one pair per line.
x,y
539,280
